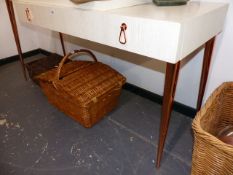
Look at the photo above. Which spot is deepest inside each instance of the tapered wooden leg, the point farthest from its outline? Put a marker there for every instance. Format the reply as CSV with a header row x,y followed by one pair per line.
x,y
172,72
209,46
62,43
11,13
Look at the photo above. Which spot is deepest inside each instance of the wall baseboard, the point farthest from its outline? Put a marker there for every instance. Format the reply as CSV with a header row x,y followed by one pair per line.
x,y
181,108
25,55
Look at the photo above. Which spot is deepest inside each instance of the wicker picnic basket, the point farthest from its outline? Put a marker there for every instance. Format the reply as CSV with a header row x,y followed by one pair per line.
x,y
84,90
211,156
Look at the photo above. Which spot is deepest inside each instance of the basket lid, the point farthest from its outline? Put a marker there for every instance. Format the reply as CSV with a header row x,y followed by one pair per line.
x,y
85,81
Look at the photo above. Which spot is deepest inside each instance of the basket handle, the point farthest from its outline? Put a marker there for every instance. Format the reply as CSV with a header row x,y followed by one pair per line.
x,y
69,55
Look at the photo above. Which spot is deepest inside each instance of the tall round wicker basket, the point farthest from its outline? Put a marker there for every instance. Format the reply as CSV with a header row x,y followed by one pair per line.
x,y
210,155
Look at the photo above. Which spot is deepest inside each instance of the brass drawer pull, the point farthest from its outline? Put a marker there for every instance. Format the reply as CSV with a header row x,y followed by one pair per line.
x,y
122,36
28,15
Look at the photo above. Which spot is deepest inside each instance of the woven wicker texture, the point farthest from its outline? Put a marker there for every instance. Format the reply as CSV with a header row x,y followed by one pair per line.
x,y
210,155
84,90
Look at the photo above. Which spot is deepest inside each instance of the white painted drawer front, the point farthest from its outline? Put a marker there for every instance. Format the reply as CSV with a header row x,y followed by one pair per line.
x,y
164,33
156,39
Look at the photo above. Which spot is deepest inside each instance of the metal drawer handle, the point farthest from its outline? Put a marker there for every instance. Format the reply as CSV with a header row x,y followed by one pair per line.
x,y
28,15
122,36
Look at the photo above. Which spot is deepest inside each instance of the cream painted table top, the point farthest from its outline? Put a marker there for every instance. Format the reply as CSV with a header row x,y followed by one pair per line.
x,y
165,33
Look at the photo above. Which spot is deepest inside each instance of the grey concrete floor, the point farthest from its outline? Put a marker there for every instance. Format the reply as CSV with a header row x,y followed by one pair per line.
x,y
37,139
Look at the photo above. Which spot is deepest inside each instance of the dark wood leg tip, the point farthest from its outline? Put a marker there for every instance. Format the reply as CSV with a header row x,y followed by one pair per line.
x,y
158,164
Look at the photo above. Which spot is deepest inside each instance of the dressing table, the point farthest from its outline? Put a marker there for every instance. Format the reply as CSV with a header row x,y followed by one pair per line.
x,y
167,34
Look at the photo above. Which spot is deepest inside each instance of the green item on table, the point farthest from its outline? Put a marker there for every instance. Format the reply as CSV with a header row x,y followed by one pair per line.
x,y
170,2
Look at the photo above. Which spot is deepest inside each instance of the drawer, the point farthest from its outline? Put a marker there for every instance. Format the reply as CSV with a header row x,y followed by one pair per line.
x,y
152,38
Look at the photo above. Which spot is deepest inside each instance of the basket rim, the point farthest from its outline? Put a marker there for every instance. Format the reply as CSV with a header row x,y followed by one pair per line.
x,y
196,125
